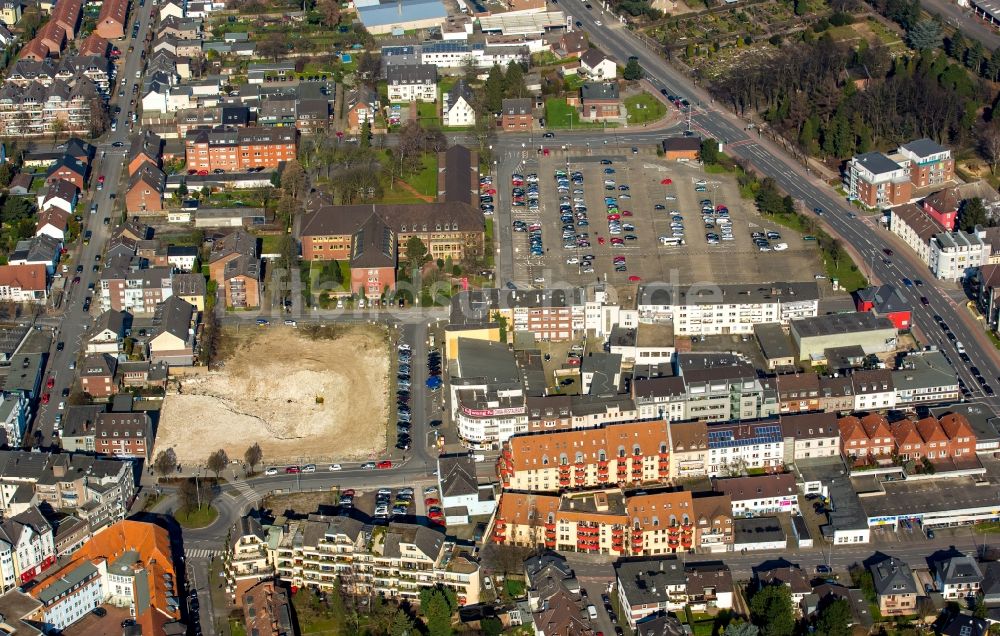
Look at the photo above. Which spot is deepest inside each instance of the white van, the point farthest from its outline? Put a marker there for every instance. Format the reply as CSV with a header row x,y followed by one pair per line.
x,y
592,612
960,346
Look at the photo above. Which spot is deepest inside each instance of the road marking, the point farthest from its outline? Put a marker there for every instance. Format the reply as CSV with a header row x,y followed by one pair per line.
x,y
201,553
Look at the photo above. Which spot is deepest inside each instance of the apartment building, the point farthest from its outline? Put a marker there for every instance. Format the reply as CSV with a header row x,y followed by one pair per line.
x,y
662,397
810,435
866,438
896,589
124,435
798,392
721,309
649,588
487,394
247,559
713,514
873,390
722,387
112,19
453,54
958,577
548,314
237,149
733,448
758,495
916,227
948,439
924,377
128,565
15,411
956,255
597,522
929,163
630,453
397,561
137,292
456,108
27,547
516,114
98,491
412,82
32,111
878,181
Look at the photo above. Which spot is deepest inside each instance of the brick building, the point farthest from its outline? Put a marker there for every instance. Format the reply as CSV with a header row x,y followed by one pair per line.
x,y
123,435
239,149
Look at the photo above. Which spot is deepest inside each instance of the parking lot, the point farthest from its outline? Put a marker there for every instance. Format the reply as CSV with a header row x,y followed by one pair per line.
x,y
662,199
393,504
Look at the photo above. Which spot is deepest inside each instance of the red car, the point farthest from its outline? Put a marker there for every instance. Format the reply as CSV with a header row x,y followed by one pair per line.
x,y
45,398
76,279
627,213
50,383
100,179
614,217
431,501
617,241
347,493
192,171
435,514
492,192
384,464
202,173
634,279
291,470
573,362
600,240
440,520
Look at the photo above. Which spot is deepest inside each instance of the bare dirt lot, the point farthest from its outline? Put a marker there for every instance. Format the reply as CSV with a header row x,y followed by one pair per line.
x,y
305,395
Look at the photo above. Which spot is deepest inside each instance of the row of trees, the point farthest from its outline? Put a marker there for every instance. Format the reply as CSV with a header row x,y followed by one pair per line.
x,y
165,463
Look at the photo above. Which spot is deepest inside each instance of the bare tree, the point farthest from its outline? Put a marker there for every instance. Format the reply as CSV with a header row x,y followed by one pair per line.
x,y
217,462
989,144
253,455
165,462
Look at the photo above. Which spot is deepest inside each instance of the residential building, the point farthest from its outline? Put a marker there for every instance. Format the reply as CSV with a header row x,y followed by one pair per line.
x,y
238,149
462,496
597,65
886,301
452,54
486,394
916,227
798,392
713,514
174,327
516,114
59,194
241,282
943,207
112,19
554,596
247,558
97,375
53,222
760,494
895,588
144,193
775,345
38,250
722,387
137,292
958,577
267,610
191,288
964,625
813,336
866,438
720,309
690,449
986,283
922,377
411,82
124,435
877,181
182,257
955,256
948,439
323,551
623,454
146,148
810,435
546,314
873,390
10,12
15,411
32,110
27,547
792,577
929,163
456,108
23,283
646,588
600,101
230,247
597,522
68,169
129,565
362,104
107,333
98,491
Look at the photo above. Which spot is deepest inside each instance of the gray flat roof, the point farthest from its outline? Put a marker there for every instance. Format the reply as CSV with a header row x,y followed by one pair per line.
x,y
982,418
911,498
482,359
876,162
774,342
757,530
846,512
831,324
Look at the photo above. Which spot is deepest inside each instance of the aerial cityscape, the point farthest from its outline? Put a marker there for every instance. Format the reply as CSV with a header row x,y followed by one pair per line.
x,y
305,328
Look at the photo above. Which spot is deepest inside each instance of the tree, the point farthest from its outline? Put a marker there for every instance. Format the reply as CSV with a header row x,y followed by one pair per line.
x,y
217,462
274,46
956,46
989,143
993,66
365,135
165,462
15,209
924,35
57,127
470,70
253,455
293,178
974,57
401,624
494,90
632,72
369,68
438,613
514,81
834,619
415,253
771,610
709,152
188,492
741,628
330,10
971,213
491,626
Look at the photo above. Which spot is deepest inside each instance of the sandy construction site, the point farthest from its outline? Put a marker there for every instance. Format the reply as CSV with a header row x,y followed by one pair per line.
x,y
304,396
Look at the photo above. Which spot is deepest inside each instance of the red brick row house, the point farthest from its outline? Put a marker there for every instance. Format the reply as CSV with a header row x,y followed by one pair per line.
x,y
872,437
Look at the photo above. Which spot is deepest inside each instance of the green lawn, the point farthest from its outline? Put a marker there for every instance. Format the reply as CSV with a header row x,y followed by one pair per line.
x,y
196,518
270,244
427,114
559,114
644,108
426,181
847,273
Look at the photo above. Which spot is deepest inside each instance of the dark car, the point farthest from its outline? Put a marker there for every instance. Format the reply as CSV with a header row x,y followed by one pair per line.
x,y
99,611
823,569
118,144
60,346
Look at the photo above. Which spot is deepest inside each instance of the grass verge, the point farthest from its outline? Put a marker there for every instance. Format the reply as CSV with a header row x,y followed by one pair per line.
x,y
644,108
197,518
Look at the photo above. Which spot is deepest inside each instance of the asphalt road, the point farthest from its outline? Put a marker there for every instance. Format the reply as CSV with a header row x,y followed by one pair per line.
x,y
964,19
74,320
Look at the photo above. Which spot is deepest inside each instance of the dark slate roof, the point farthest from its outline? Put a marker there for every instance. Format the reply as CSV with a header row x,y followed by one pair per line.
x,y
600,90
458,174
406,74
886,299
893,576
876,162
373,244
924,147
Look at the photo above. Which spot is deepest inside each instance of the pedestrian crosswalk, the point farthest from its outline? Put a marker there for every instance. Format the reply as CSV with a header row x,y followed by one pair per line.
x,y
201,553
245,495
